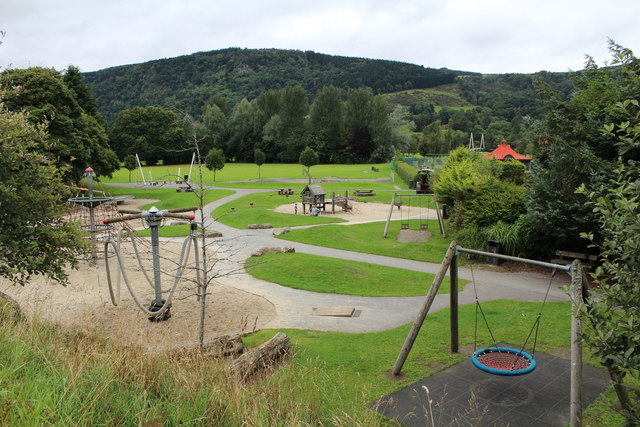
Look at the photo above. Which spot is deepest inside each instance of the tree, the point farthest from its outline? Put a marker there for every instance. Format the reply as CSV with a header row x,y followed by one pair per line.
x,y
130,163
76,137
308,158
327,122
215,124
215,161
612,309
153,133
34,239
259,158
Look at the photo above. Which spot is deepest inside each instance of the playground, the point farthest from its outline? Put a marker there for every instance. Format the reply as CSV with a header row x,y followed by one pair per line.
x,y
241,304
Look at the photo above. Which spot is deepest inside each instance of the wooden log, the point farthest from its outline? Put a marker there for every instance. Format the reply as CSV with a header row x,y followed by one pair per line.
x,y
225,346
260,358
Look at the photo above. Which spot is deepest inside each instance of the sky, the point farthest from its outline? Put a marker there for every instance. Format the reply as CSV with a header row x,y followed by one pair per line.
x,y
489,36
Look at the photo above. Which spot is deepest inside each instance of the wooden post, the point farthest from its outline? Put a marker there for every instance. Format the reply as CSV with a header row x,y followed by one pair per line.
x,y
453,302
577,279
333,202
440,220
386,227
433,291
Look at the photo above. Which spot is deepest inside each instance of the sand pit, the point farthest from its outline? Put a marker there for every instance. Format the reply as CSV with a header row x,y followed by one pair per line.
x,y
365,212
85,303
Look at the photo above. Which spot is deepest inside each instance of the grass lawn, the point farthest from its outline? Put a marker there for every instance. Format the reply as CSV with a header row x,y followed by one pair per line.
x,y
169,197
240,213
245,171
360,362
332,275
367,238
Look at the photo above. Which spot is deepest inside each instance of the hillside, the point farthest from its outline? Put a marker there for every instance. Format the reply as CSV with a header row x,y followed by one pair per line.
x,y
187,82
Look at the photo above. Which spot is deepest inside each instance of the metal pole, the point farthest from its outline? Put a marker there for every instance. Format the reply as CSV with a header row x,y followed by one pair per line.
x,y
415,328
386,227
92,231
140,166
155,242
577,279
566,268
193,159
453,302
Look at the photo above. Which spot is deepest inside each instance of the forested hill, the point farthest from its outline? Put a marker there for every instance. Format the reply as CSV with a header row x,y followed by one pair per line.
x,y
187,82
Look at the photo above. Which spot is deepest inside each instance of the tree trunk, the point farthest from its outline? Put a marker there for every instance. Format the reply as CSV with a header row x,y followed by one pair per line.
x,y
262,357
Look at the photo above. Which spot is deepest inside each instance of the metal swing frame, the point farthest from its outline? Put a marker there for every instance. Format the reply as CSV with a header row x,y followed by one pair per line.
x,y
578,293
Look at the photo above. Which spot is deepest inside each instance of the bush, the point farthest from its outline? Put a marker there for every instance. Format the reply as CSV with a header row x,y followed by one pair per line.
x,y
495,202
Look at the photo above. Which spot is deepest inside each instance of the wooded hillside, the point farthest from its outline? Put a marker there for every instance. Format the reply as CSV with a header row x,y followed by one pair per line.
x,y
187,82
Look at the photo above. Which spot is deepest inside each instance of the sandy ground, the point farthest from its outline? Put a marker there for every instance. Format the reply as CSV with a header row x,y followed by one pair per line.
x,y
365,211
85,302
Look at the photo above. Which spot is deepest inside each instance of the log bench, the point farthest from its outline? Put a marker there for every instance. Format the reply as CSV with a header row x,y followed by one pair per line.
x,y
364,193
567,257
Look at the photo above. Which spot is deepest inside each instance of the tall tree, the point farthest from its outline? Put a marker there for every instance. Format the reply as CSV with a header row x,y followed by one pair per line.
x,y
33,237
77,138
612,309
327,122
153,133
245,130
360,142
216,127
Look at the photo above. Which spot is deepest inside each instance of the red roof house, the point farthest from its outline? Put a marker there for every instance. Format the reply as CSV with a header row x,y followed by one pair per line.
x,y
505,152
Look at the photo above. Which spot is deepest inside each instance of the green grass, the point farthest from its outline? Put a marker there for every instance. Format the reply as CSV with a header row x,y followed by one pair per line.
x,y
240,213
367,238
169,198
246,171
55,376
332,275
362,361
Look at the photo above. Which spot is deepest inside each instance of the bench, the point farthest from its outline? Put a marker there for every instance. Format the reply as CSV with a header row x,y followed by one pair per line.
x,y
364,193
567,257
285,191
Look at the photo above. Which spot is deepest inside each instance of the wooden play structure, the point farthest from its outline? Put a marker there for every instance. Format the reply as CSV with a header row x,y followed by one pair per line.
x,y
579,291
315,196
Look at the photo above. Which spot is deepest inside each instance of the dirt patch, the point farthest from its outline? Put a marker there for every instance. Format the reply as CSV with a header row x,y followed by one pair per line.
x,y
359,211
85,303
420,236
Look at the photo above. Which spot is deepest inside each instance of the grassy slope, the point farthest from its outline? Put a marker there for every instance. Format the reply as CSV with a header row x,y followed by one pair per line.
x,y
442,96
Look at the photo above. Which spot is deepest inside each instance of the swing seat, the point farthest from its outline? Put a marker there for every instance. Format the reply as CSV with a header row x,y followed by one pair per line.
x,y
404,226
503,361
424,226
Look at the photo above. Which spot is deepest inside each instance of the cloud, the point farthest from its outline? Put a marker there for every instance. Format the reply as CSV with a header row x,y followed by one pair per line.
x,y
490,36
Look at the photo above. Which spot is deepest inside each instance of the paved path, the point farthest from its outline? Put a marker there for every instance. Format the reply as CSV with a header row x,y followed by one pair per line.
x,y
295,308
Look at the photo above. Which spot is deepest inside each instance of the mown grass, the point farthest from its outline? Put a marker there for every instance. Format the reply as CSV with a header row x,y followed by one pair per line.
x,y
367,238
51,375
249,171
256,209
332,275
168,198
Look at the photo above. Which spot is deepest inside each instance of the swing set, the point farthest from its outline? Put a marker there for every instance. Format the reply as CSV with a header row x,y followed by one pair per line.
x,y
406,203
497,360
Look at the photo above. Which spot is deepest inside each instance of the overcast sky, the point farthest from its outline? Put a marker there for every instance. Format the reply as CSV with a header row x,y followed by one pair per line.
x,y
487,36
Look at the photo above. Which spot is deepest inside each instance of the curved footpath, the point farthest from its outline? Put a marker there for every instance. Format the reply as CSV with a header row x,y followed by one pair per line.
x,y
295,307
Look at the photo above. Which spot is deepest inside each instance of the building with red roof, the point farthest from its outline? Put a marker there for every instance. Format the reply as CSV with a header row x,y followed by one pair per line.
x,y
505,152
